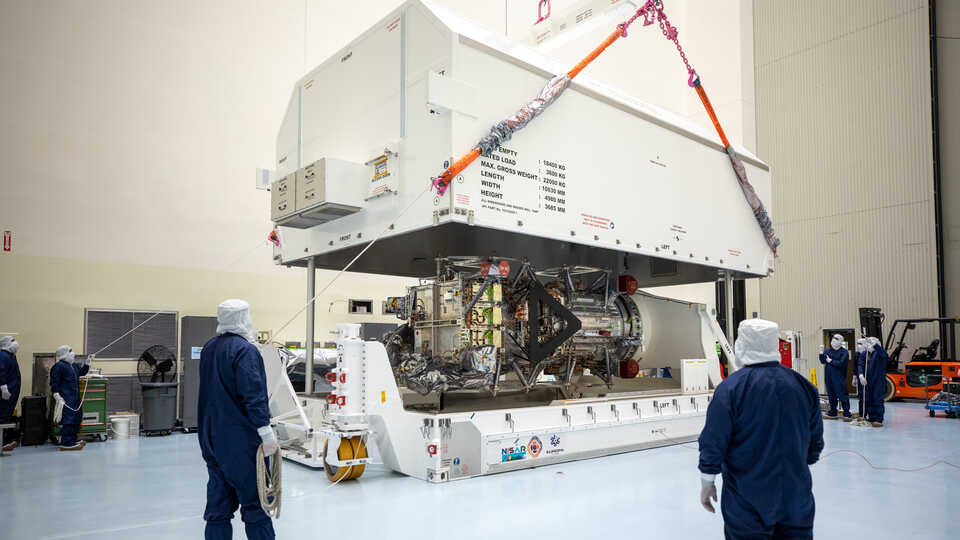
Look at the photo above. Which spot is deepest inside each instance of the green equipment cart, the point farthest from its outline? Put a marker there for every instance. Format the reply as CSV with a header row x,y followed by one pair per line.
x,y
93,423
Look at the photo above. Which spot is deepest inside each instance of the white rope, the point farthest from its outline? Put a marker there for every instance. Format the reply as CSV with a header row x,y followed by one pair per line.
x,y
349,264
150,318
125,334
269,482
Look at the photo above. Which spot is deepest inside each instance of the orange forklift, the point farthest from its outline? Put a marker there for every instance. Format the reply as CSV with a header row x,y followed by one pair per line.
x,y
919,372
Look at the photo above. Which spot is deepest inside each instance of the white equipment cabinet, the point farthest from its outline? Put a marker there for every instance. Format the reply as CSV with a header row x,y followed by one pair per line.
x,y
600,180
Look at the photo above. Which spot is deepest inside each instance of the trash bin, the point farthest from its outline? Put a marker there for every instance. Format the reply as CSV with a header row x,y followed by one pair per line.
x,y
159,407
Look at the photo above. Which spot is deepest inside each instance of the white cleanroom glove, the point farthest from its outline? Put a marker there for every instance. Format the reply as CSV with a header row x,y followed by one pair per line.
x,y
821,349
5,392
58,409
269,439
708,490
863,380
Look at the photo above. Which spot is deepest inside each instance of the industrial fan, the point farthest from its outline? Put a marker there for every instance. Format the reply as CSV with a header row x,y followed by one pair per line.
x,y
157,372
156,365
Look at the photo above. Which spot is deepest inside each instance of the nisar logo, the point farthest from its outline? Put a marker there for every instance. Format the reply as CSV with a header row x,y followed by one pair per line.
x,y
513,453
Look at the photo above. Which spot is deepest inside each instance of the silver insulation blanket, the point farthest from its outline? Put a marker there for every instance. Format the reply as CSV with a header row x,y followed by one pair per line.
x,y
503,130
424,375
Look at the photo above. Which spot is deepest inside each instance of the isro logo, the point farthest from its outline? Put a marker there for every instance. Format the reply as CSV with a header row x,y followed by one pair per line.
x,y
534,446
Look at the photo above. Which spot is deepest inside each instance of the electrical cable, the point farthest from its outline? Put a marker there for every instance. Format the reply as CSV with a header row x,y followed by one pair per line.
x,y
678,442
349,264
878,468
347,474
845,451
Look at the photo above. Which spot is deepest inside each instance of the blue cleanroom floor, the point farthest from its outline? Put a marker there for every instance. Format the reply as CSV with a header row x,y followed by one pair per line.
x,y
155,488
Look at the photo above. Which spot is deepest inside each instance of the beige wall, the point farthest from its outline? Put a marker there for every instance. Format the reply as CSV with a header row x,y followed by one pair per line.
x,y
129,134
843,117
130,131
44,299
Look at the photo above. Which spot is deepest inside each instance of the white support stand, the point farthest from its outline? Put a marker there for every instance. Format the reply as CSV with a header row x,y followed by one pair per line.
x,y
452,446
311,313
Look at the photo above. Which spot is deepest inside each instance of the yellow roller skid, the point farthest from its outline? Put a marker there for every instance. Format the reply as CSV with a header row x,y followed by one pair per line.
x,y
350,448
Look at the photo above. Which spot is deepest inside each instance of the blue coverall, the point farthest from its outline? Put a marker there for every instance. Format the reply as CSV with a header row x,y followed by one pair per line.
x,y
873,366
65,380
232,405
835,374
763,431
10,376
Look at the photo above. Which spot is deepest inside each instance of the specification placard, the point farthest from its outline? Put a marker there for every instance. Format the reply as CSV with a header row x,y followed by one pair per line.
x,y
510,182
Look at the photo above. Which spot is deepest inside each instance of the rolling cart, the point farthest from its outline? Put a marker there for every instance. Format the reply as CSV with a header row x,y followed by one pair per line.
x,y
944,401
947,400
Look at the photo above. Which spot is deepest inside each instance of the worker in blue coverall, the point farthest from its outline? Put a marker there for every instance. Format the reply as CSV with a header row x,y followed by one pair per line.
x,y
9,387
872,373
763,431
65,385
233,421
834,362
857,360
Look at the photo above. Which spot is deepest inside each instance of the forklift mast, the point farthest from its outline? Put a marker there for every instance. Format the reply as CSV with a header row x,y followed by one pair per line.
x,y
871,322
946,343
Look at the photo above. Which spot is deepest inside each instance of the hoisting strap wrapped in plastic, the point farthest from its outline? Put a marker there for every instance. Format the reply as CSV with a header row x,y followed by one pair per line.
x,y
759,211
652,12
503,130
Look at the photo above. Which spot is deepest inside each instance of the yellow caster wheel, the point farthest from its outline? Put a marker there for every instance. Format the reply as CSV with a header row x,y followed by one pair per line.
x,y
352,448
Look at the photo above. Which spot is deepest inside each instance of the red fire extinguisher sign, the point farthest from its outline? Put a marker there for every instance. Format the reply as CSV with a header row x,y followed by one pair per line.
x,y
7,240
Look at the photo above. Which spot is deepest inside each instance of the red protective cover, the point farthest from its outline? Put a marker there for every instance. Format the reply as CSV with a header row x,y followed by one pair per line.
x,y
786,353
627,284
